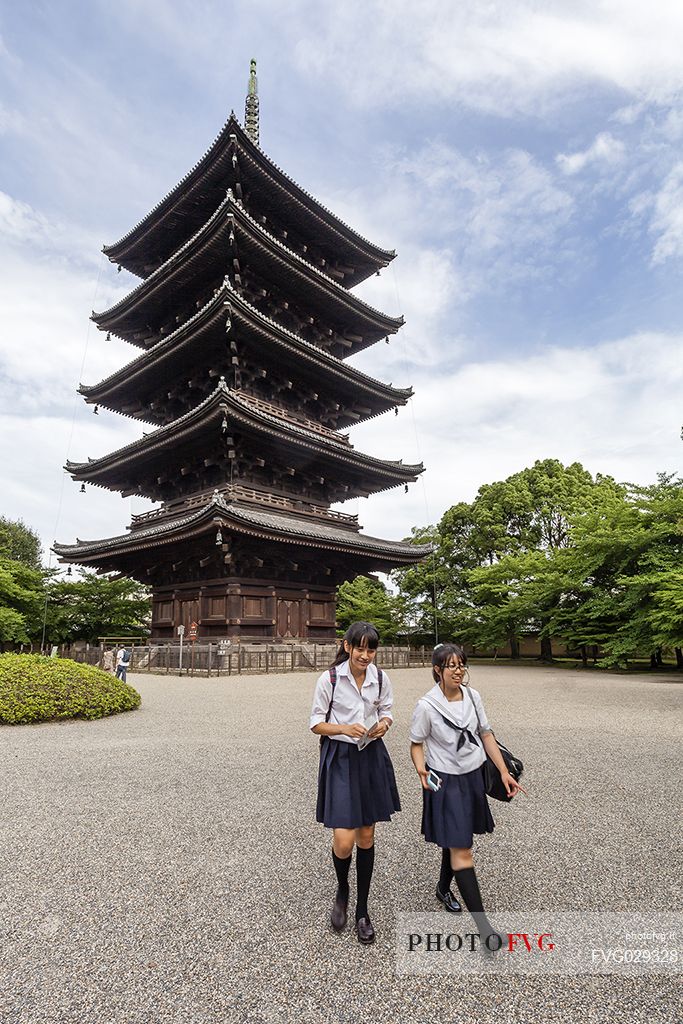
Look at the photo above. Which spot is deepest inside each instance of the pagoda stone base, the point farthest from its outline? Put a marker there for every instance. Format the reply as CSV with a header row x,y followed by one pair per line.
x,y
251,608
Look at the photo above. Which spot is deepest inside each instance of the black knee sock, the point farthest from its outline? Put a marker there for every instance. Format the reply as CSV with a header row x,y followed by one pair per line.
x,y
446,876
341,866
469,889
365,860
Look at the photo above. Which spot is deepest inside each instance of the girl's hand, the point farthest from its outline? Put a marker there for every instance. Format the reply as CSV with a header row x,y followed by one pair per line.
x,y
512,787
423,773
356,731
379,730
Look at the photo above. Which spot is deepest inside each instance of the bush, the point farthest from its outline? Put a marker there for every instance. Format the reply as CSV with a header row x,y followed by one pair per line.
x,y
38,689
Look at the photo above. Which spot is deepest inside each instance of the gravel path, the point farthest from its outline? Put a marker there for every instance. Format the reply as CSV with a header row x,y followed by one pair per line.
x,y
164,865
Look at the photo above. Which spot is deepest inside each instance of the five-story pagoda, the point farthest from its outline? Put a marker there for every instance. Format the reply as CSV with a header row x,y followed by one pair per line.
x,y
244,319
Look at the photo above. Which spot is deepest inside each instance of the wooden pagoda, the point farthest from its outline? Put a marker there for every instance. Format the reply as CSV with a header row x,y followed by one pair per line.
x,y
245,319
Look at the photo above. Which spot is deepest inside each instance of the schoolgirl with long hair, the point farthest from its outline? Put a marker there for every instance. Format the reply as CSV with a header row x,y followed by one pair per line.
x,y
450,724
351,713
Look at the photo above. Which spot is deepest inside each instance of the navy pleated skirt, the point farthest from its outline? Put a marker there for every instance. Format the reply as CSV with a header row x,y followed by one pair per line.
x,y
459,809
355,787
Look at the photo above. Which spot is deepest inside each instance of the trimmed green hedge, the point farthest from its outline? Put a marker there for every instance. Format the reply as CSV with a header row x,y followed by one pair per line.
x,y
38,689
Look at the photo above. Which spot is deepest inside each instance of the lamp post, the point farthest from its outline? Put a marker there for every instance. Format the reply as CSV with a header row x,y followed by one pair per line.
x,y
181,634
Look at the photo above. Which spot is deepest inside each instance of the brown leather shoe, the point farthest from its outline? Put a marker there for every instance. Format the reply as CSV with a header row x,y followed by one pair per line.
x,y
338,915
365,931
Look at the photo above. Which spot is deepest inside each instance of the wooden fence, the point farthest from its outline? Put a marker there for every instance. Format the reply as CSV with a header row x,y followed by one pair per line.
x,y
222,659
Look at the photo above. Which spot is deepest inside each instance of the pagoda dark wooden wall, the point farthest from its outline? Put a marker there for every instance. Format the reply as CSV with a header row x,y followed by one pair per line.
x,y
234,607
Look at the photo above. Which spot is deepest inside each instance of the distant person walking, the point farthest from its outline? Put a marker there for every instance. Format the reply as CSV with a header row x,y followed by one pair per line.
x,y
356,786
451,723
122,662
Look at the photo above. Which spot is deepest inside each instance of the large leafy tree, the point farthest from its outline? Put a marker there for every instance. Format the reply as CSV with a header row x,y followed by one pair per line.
x,y
22,583
525,522
19,543
96,606
432,590
492,577
22,599
624,575
366,599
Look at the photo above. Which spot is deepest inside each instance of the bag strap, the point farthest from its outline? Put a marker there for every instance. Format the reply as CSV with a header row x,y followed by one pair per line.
x,y
333,680
465,690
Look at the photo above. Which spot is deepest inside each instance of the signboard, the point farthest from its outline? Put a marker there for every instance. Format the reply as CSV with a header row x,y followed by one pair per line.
x,y
192,632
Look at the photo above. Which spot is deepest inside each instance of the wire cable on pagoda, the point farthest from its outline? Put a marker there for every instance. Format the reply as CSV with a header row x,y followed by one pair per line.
x,y
75,405
418,448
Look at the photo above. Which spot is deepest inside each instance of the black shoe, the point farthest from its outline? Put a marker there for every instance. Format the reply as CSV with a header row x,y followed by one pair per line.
x,y
338,915
449,901
365,931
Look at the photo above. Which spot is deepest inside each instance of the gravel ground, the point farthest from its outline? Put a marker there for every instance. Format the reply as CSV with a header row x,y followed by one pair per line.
x,y
164,865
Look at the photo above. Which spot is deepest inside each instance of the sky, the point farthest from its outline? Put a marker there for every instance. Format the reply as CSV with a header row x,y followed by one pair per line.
x,y
524,159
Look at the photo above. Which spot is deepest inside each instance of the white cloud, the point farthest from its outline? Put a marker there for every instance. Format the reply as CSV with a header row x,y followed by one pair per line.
x,y
629,114
499,217
468,220
502,59
20,222
604,149
35,488
614,407
520,56
46,300
667,217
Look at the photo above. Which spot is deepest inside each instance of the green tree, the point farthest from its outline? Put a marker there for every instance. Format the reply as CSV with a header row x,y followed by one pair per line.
x,y
624,575
510,598
96,606
22,598
423,587
19,543
530,513
494,573
368,600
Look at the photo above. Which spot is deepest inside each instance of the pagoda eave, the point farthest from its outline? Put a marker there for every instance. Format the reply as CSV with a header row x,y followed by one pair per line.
x,y
268,526
218,243
200,427
214,169
207,327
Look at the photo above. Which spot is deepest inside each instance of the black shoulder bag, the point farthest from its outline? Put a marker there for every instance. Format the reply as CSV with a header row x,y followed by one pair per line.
x,y
493,784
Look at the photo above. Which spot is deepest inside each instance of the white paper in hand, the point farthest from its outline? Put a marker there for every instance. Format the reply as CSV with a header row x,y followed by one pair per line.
x,y
369,723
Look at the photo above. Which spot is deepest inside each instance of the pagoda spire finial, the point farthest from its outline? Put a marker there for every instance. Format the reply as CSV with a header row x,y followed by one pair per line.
x,y
251,112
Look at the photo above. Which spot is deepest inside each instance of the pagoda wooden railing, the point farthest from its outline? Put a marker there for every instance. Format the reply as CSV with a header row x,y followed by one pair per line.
x,y
239,492
300,421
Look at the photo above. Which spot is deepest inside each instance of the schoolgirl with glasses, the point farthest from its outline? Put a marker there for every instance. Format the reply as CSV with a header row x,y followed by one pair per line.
x,y
450,726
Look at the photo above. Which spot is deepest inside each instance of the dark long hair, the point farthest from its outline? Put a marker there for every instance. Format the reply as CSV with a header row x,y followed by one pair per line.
x,y
359,634
442,654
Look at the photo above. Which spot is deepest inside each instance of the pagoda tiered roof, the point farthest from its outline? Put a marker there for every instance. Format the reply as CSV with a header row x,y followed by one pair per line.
x,y
140,388
319,450
214,251
245,319
272,526
233,160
